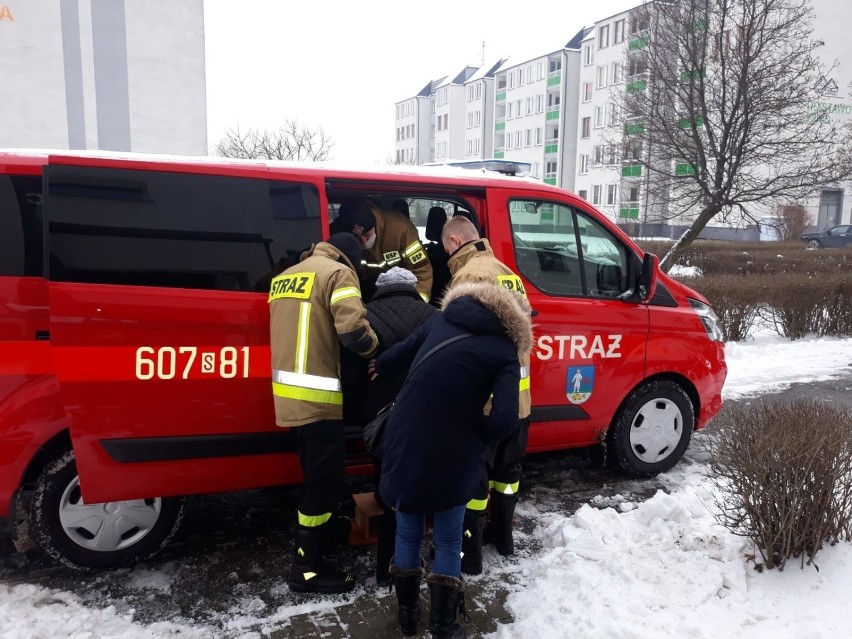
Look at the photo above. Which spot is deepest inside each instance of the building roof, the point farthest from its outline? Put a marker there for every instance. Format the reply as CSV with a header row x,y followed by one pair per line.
x,y
486,72
574,43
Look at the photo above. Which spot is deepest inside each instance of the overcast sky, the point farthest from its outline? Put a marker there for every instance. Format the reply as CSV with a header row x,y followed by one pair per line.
x,y
344,65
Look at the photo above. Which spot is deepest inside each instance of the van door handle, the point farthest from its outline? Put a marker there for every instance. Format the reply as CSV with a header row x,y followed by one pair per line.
x,y
533,313
42,335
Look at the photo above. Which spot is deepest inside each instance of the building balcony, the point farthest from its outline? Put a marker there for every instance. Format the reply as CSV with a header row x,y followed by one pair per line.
x,y
637,44
499,152
501,96
550,178
555,80
631,128
499,126
629,211
636,85
552,113
551,146
631,170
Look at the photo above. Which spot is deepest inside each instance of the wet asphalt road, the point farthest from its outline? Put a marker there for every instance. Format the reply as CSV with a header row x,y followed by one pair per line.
x,y
230,559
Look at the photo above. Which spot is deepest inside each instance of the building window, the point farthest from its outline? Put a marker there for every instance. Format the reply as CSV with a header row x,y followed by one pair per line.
x,y
616,75
528,137
511,79
446,121
550,168
614,114
584,164
611,192
603,37
529,106
618,33
538,136
639,21
587,91
520,77
539,103
588,55
541,70
633,194
476,146
601,75
600,116
599,153
477,120
518,139
583,193
509,111
478,90
585,127
596,194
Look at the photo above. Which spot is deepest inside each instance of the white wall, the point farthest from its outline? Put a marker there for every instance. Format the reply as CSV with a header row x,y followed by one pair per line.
x,y
123,75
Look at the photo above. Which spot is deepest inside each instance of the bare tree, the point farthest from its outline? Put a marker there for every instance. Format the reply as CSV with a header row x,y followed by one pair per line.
x,y
292,141
724,100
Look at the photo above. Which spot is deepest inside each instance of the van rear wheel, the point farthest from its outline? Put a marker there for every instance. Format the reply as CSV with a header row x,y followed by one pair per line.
x,y
651,431
106,535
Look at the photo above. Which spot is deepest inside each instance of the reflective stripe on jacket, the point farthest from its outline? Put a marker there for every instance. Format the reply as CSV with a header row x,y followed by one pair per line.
x,y
398,244
313,307
475,262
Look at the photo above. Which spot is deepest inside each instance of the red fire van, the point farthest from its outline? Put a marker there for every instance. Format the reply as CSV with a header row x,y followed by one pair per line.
x,y
134,345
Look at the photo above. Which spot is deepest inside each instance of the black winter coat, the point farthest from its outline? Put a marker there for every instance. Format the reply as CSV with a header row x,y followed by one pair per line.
x,y
395,312
436,433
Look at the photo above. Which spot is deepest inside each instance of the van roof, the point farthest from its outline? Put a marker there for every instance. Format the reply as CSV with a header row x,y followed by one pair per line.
x,y
397,173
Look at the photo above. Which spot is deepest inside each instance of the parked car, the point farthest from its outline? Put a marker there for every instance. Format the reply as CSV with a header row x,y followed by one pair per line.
x,y
830,238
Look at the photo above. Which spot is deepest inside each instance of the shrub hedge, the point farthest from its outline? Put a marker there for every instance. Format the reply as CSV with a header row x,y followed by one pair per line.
x,y
795,290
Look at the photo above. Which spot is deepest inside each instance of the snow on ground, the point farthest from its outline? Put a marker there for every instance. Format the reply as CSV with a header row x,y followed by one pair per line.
x,y
659,568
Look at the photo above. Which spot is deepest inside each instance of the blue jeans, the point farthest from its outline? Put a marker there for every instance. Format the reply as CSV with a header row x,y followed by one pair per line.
x,y
446,535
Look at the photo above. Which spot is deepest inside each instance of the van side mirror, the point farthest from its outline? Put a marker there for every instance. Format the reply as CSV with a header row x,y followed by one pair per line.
x,y
648,277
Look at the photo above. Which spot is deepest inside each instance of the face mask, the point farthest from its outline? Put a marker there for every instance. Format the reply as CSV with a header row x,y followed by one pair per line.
x,y
369,243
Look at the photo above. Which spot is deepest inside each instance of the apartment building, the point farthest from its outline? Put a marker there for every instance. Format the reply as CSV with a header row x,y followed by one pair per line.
x,y
124,75
479,113
415,132
600,177
451,116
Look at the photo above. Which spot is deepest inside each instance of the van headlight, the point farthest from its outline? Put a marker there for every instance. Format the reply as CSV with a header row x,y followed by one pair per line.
x,y
709,318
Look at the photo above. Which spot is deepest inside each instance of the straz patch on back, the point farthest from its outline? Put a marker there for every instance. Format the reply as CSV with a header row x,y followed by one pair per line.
x,y
513,283
293,285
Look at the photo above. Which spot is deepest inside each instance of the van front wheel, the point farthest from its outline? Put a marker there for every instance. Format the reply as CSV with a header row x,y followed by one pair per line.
x,y
106,535
651,431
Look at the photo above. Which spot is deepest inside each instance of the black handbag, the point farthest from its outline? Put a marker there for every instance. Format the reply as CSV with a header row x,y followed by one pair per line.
x,y
375,428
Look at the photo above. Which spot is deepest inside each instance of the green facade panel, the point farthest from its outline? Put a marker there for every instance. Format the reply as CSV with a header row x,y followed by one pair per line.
x,y
638,43
498,154
633,128
554,80
638,85
501,95
684,169
629,213
551,181
552,115
551,148
500,126
631,170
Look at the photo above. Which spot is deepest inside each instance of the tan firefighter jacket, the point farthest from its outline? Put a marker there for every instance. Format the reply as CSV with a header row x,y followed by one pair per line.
x,y
314,306
398,244
475,262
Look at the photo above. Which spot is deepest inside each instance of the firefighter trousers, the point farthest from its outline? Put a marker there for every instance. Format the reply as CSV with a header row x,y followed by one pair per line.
x,y
322,453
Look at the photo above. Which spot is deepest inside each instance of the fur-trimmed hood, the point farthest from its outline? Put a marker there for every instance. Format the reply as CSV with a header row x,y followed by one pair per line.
x,y
510,308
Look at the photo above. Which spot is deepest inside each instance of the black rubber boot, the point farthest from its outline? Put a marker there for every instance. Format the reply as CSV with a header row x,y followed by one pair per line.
x,y
447,602
309,572
336,533
406,581
499,528
385,547
474,522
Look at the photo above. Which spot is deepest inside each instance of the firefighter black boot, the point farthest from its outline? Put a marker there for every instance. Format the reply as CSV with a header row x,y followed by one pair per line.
x,y
474,522
407,584
385,546
447,602
309,572
335,533
499,528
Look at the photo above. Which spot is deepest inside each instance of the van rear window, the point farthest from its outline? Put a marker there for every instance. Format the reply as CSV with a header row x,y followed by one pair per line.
x,y
150,228
20,225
